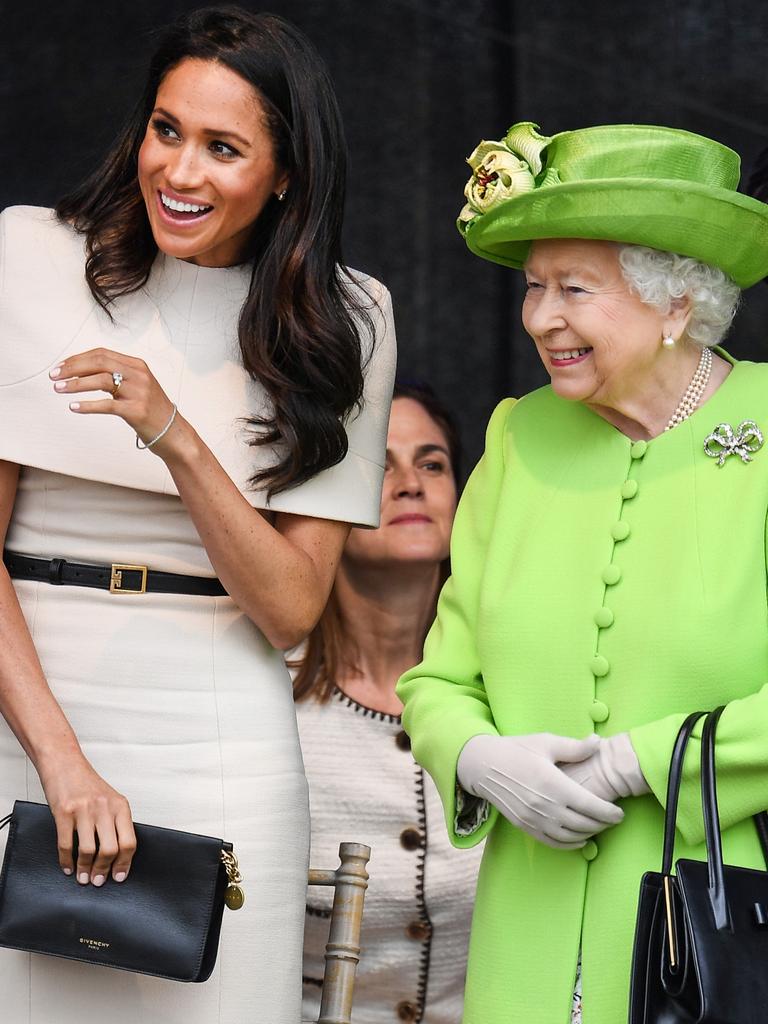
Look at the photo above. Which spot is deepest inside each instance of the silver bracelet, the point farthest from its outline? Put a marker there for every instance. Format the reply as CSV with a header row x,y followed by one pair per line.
x,y
163,432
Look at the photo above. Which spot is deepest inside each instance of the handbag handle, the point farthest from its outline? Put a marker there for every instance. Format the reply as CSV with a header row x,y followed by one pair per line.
x,y
761,824
673,788
673,791
717,896
716,887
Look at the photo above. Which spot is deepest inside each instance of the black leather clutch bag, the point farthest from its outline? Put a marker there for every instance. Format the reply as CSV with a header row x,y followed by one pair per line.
x,y
164,920
701,941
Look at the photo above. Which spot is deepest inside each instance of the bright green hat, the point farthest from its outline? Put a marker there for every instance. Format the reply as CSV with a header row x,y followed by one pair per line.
x,y
661,187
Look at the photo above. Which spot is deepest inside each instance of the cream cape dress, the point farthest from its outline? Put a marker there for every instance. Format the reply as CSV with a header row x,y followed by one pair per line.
x,y
178,700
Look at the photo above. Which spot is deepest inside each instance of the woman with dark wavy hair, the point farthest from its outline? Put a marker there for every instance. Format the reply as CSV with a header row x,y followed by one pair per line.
x,y
190,293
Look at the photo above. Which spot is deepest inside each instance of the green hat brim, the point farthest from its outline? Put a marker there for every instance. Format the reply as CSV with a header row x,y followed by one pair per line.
x,y
716,226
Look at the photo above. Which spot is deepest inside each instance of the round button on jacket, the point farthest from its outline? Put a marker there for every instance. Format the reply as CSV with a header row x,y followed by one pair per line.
x,y
598,711
600,666
418,930
603,618
620,530
638,449
611,574
411,838
589,850
629,489
406,1010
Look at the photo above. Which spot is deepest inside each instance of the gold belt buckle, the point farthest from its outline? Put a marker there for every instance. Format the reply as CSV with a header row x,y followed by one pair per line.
x,y
116,579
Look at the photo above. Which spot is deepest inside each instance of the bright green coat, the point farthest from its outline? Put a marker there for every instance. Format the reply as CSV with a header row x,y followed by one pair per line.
x,y
548,519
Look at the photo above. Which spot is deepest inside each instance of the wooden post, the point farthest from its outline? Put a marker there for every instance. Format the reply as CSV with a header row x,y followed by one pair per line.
x,y
342,952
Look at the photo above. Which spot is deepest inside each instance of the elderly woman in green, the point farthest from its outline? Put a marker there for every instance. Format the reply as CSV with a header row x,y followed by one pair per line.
x,y
609,560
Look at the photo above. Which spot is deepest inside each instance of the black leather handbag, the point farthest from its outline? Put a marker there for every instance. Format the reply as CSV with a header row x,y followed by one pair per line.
x,y
701,940
164,920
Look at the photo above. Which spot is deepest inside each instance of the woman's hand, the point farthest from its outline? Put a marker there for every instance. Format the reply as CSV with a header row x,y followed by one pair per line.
x,y
278,569
81,801
520,775
139,399
612,772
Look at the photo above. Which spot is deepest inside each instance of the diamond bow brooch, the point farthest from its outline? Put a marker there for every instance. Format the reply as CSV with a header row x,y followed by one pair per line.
x,y
724,441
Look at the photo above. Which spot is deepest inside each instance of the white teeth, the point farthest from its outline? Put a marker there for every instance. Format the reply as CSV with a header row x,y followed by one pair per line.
x,y
573,353
173,204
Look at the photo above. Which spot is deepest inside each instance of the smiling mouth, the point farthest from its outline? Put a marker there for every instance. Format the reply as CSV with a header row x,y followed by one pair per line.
x,y
567,357
178,211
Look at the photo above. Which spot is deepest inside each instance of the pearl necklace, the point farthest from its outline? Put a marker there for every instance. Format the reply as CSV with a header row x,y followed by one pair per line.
x,y
694,391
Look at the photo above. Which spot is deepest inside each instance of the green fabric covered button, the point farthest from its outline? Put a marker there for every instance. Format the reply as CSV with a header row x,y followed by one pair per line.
x,y
629,489
611,574
638,449
599,665
603,618
620,530
599,712
589,850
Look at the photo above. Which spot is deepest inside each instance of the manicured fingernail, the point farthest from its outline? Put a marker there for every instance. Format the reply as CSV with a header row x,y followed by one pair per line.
x,y
99,880
55,372
59,385
120,876
67,871
74,406
83,878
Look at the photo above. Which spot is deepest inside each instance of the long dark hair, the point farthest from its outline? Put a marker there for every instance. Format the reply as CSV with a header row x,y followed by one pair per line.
x,y
300,325
329,648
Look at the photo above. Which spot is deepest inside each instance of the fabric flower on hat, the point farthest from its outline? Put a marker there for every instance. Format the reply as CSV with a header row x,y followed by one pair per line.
x,y
503,170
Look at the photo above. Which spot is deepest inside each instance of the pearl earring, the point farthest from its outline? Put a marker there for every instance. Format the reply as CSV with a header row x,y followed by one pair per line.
x,y
281,196
668,341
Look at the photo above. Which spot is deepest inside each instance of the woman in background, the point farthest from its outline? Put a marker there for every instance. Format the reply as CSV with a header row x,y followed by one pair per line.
x,y
364,783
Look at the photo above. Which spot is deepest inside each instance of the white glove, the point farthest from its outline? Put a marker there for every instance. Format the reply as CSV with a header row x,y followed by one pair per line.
x,y
520,776
612,772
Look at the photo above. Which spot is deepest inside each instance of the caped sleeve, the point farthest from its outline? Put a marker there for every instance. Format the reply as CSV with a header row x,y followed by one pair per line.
x,y
42,282
183,324
445,699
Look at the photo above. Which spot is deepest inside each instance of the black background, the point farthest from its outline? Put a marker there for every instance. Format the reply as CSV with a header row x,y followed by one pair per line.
x,y
419,82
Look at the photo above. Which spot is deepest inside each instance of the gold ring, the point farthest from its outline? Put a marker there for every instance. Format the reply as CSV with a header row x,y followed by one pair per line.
x,y
117,380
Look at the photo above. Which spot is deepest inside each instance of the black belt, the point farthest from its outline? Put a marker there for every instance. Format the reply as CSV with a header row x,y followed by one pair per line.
x,y
117,578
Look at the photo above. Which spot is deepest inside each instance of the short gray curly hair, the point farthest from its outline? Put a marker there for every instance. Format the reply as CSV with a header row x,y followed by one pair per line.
x,y
659,278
